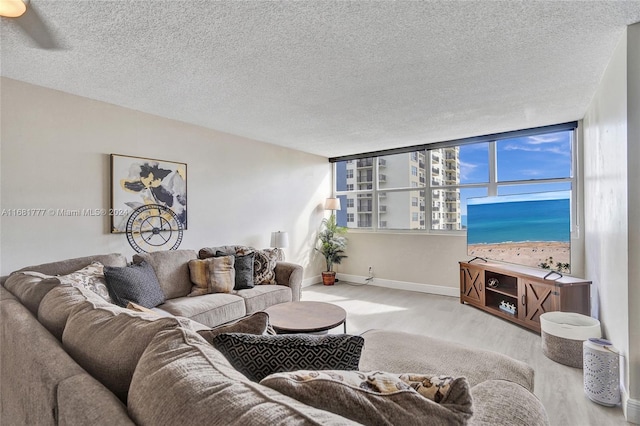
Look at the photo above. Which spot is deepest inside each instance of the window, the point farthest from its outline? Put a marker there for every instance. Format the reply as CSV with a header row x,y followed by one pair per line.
x,y
427,189
350,217
349,173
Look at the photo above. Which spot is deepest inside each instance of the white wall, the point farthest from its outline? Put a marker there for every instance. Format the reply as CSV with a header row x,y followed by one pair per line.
x,y
410,259
55,154
633,192
611,152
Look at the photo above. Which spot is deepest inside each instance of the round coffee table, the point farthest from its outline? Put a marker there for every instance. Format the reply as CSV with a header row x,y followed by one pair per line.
x,y
306,317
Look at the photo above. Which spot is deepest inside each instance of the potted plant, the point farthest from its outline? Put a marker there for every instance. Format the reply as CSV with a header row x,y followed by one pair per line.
x,y
331,243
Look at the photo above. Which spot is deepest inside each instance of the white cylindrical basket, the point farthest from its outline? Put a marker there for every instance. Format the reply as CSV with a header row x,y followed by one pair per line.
x,y
601,372
563,333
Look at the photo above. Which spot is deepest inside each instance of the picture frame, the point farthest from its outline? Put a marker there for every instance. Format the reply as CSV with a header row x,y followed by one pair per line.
x,y
139,181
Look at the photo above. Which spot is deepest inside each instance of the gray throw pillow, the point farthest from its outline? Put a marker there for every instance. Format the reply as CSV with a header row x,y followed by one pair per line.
x,y
135,283
259,356
244,271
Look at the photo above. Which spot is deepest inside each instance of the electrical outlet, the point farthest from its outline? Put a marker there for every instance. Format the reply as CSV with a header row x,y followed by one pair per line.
x,y
370,274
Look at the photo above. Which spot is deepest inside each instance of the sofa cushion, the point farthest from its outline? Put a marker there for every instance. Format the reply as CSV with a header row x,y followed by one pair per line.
x,y
30,288
212,275
172,269
208,309
67,266
498,401
82,400
108,341
180,376
261,297
32,364
135,283
58,304
379,398
257,323
207,252
259,356
423,353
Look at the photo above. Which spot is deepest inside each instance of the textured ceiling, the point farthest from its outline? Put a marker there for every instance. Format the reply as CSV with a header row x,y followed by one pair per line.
x,y
329,78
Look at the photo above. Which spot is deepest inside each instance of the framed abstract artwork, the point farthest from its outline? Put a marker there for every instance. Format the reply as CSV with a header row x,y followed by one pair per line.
x,y
136,182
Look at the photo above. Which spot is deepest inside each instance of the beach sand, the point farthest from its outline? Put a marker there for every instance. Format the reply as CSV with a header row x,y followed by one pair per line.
x,y
526,253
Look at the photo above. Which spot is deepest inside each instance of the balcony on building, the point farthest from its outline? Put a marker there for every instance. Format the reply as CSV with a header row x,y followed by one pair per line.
x,y
365,162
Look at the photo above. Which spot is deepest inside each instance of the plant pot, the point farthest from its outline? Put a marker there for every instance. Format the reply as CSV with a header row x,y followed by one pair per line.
x,y
328,278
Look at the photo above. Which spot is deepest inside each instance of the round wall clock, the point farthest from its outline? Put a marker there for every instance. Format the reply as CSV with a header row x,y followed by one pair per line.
x,y
153,227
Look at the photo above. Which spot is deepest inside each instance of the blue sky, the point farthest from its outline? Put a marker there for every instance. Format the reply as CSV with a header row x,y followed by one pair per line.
x,y
533,157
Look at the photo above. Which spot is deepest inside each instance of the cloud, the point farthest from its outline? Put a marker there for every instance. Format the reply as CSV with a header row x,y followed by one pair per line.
x,y
466,169
542,139
522,148
551,149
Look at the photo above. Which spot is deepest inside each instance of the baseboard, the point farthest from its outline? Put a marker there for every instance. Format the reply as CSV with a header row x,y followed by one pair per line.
x,y
631,408
402,285
311,281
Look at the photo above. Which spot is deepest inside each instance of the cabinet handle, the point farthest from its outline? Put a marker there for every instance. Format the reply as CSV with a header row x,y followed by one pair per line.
x,y
524,299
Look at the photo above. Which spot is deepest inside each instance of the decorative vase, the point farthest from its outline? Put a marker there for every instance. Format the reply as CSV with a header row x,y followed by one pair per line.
x,y
328,278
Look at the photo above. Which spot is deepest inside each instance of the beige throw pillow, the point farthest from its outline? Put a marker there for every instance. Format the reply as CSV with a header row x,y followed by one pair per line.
x,y
212,275
378,397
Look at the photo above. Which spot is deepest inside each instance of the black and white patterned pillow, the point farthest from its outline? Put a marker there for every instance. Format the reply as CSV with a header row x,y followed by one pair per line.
x,y
90,277
259,356
135,283
264,266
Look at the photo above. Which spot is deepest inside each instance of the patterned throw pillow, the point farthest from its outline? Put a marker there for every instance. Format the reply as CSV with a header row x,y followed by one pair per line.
x,y
265,266
212,275
396,398
259,356
90,277
135,283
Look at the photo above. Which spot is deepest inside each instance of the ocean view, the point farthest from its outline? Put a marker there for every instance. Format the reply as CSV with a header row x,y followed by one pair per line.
x,y
519,221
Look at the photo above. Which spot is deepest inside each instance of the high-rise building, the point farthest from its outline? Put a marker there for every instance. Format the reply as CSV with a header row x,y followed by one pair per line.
x,y
399,207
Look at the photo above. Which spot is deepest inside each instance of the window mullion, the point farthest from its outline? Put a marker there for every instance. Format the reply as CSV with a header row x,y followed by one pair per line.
x,y
375,214
492,189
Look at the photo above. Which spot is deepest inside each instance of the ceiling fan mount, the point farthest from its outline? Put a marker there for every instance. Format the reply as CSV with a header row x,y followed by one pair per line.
x,y
27,18
13,8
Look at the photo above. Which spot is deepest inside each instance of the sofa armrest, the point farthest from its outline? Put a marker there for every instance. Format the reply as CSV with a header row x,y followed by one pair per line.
x,y
290,274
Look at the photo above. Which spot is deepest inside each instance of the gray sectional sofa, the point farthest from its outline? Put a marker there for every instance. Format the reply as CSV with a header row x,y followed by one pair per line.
x,y
69,357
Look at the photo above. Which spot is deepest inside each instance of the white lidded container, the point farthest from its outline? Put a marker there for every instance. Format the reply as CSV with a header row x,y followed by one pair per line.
x,y
601,372
563,334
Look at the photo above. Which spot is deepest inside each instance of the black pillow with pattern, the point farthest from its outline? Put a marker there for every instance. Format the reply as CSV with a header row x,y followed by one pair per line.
x,y
259,356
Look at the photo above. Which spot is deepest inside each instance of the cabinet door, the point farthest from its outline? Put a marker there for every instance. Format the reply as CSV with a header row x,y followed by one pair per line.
x,y
472,285
536,298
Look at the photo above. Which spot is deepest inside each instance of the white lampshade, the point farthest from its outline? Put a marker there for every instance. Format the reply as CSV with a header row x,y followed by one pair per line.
x,y
332,204
279,239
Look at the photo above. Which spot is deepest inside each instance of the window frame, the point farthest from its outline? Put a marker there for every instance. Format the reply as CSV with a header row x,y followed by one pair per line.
x,y
427,187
